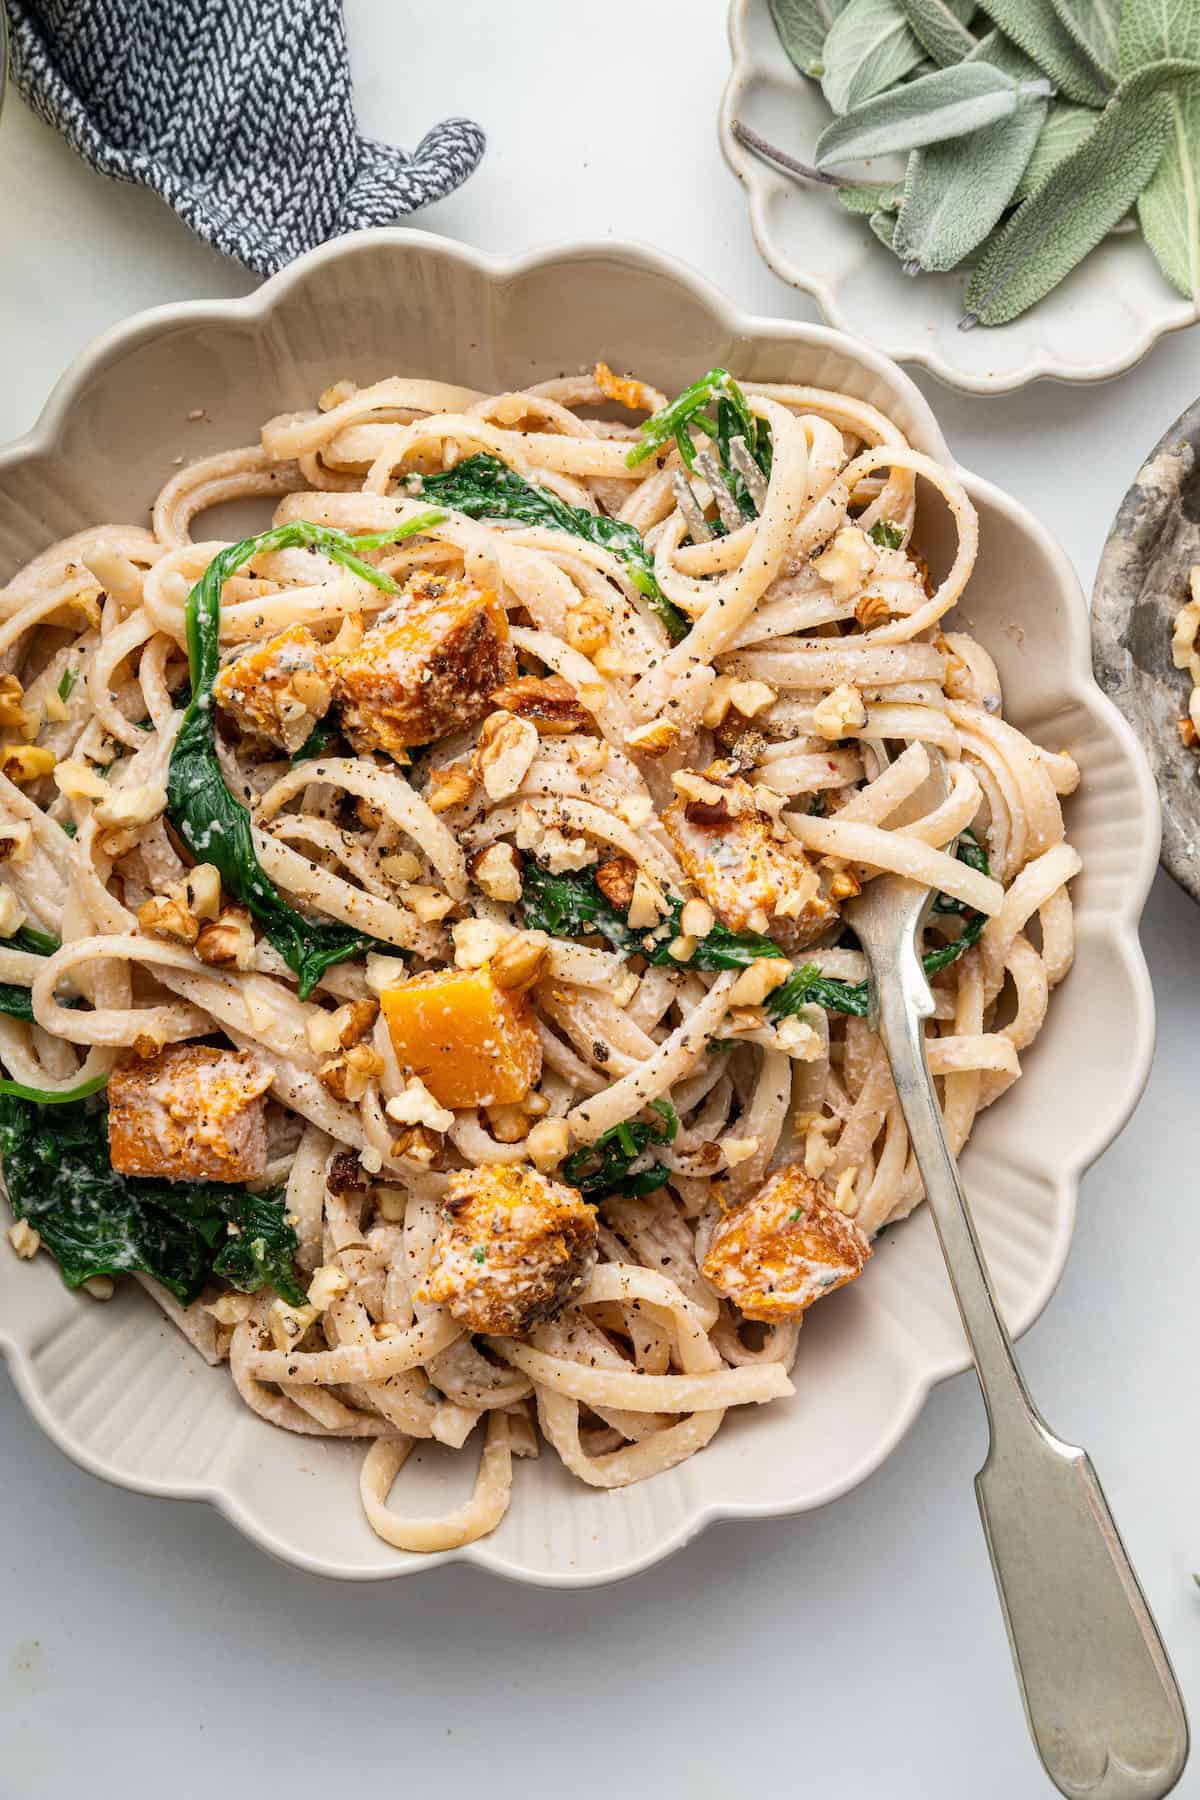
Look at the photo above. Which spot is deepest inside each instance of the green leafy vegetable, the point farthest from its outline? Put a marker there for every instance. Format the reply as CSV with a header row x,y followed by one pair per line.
x,y
317,743
485,488
869,48
803,26
1065,128
949,103
95,1221
606,1167
1035,27
1154,34
887,534
14,999
872,196
16,1090
215,827
572,905
941,28
1073,209
956,193
1095,27
733,419
66,686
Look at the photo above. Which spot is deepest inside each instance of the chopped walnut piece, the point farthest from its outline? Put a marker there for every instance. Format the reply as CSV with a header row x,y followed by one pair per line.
x,y
520,959
549,703
504,754
13,716
450,787
587,626
229,939
654,738
872,610
167,916
496,871
346,1077
615,879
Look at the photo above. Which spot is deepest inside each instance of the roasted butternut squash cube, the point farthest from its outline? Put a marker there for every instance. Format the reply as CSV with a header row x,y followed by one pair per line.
x,y
472,1042
426,668
753,880
784,1248
512,1248
192,1113
277,690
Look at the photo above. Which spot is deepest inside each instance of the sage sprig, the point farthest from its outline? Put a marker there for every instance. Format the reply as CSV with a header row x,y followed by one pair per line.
x,y
1153,36
940,27
1073,209
869,48
1024,147
1095,26
803,26
955,194
950,103
1035,28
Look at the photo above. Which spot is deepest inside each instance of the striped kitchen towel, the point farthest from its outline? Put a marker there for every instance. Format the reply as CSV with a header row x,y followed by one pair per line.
x,y
238,112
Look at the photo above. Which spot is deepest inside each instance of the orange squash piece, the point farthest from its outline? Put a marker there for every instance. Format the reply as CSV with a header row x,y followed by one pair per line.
x,y
471,1042
192,1113
784,1248
427,668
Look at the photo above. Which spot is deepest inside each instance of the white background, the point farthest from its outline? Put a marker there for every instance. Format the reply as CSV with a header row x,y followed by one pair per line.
x,y
145,1648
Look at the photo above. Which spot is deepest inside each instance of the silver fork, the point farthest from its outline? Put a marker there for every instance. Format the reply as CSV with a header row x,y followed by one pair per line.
x,y
1100,1695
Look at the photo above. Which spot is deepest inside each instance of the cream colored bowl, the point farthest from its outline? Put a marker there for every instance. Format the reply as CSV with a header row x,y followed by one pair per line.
x,y
113,1385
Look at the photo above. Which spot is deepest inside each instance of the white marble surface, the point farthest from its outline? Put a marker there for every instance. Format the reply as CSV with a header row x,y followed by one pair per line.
x,y
146,1648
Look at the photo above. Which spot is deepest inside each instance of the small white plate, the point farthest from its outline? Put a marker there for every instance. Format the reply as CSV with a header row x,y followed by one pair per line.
x,y
1099,322
115,1386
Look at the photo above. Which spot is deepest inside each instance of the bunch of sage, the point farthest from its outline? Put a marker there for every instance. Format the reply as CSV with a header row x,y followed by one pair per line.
x,y
1031,129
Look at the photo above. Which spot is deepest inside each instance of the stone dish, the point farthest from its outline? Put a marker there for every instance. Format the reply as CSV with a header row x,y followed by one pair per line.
x,y
1142,582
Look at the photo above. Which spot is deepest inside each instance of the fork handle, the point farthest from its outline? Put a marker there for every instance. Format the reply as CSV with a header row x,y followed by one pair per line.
x,y
1100,1696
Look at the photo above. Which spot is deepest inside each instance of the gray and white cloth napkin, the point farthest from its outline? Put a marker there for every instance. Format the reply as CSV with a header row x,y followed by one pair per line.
x,y
238,112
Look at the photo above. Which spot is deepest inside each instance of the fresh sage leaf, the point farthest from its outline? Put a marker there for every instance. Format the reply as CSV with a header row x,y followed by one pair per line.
x,y
1074,208
1095,26
869,48
1065,128
1168,209
1154,33
883,224
940,25
950,103
1036,28
956,193
872,196
803,26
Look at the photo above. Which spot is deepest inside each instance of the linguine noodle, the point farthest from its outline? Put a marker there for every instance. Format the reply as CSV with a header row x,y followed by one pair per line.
x,y
728,660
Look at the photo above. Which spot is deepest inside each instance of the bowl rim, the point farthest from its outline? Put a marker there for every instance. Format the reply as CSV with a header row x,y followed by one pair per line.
x,y
1078,680
759,182
1112,573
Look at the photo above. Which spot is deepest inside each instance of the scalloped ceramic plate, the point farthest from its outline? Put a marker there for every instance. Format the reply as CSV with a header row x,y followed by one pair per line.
x,y
1104,318
114,1386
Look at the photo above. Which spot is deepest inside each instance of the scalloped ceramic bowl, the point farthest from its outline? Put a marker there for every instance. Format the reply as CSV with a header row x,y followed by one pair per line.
x,y
1104,318
114,1386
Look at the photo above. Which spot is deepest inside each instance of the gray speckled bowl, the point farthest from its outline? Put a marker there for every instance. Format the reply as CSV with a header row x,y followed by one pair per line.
x,y
1142,582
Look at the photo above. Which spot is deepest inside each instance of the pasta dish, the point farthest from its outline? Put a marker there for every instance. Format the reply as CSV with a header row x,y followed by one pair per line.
x,y
422,963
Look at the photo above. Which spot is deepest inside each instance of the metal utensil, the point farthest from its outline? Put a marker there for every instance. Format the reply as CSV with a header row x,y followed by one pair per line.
x,y
1100,1695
